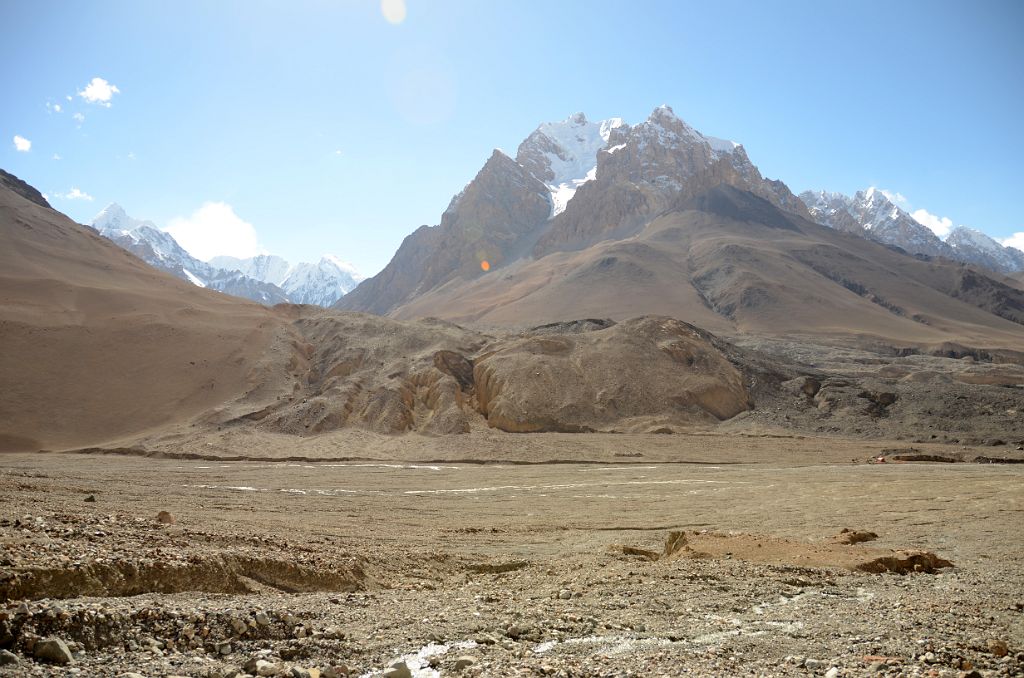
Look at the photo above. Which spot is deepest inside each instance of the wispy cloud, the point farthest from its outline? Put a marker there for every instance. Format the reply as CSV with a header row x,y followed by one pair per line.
x,y
53,108
22,144
74,194
79,117
214,229
56,156
99,91
940,226
895,197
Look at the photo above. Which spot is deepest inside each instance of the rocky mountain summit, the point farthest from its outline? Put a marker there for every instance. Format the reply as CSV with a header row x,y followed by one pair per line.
x,y
267,279
607,220
573,183
870,213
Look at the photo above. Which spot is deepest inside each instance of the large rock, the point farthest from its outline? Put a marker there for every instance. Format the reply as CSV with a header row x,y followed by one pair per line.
x,y
639,375
53,650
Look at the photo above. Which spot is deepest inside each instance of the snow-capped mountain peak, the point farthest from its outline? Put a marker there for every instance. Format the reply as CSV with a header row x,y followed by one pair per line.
x,y
265,267
974,246
872,214
266,278
113,219
322,283
563,154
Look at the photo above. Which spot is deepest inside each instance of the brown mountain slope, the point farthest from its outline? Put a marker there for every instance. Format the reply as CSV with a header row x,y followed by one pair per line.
x,y
494,220
733,262
95,344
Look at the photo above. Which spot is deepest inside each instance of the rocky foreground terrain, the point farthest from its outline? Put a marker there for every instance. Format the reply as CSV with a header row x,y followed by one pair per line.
x,y
651,555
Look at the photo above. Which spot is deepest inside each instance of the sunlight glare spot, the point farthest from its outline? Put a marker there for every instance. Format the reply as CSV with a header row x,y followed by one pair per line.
x,y
485,265
393,10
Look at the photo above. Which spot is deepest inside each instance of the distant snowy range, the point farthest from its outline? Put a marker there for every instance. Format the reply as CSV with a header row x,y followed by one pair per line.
x,y
265,278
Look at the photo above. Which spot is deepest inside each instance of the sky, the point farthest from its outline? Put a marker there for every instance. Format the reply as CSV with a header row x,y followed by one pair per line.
x,y
340,126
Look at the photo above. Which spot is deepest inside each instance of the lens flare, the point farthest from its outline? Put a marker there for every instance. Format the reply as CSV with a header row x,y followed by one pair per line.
x,y
485,265
393,10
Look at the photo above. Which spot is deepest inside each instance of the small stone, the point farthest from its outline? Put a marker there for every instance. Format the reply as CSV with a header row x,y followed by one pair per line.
x,y
877,667
464,662
131,674
53,650
997,647
165,518
262,619
8,658
564,594
398,670
224,648
336,671
299,672
91,498
832,673
239,626
813,664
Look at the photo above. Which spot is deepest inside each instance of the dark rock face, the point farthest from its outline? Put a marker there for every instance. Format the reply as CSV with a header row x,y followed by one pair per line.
x,y
30,193
494,220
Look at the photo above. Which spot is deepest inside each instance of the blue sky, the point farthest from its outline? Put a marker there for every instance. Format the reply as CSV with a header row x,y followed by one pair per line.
x,y
327,128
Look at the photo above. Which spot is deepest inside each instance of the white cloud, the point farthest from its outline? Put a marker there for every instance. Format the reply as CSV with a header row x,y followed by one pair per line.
x,y
941,226
99,91
74,194
79,118
1015,240
131,155
55,108
22,144
895,196
56,156
214,229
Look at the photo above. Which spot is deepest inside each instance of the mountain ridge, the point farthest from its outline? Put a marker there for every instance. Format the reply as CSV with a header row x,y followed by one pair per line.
x,y
669,221
266,279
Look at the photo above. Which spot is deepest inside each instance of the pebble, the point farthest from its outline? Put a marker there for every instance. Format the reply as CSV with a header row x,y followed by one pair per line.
x,y
813,664
564,594
997,647
131,674
8,658
832,673
53,650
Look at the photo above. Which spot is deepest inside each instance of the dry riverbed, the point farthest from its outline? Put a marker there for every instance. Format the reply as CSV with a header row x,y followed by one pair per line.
x,y
665,555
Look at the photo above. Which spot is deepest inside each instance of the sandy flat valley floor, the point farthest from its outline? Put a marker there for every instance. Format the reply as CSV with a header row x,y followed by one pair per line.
x,y
496,554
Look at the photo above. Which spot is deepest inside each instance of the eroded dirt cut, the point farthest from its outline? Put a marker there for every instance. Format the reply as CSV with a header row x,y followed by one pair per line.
x,y
843,551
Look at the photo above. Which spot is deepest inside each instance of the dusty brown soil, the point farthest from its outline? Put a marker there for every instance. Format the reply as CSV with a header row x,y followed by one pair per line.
x,y
418,552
